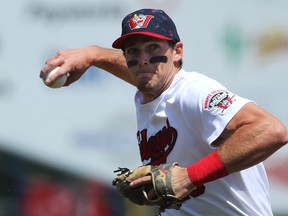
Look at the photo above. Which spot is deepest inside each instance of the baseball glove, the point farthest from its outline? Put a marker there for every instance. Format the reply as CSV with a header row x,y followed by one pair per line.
x,y
161,178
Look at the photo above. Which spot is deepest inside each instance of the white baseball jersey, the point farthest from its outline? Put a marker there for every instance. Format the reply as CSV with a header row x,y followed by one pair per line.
x,y
181,125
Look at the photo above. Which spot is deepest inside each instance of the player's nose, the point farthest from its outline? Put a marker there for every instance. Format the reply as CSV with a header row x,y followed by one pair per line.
x,y
143,59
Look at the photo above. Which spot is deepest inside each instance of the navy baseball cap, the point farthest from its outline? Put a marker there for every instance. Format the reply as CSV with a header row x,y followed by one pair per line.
x,y
150,22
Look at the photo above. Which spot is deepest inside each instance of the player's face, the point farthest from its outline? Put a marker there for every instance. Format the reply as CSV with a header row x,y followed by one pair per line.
x,y
151,64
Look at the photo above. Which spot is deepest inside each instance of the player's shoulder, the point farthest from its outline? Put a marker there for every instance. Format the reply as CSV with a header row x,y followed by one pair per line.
x,y
193,76
195,80
195,86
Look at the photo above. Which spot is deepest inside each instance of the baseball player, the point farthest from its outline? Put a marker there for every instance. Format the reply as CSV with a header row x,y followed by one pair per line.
x,y
217,138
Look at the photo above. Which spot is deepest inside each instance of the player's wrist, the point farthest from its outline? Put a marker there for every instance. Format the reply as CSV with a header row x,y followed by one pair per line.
x,y
96,55
208,169
103,57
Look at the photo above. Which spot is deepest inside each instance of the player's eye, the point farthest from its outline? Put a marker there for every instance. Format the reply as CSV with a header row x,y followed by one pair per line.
x,y
154,46
132,51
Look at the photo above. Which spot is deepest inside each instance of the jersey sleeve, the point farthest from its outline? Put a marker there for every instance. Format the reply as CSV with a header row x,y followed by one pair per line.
x,y
217,106
210,108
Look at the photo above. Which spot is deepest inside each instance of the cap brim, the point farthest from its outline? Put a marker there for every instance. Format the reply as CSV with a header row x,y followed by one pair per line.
x,y
119,43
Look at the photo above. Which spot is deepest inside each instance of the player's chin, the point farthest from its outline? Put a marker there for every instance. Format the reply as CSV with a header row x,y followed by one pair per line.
x,y
145,86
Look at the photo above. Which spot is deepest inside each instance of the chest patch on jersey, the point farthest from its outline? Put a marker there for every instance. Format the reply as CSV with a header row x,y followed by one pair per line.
x,y
218,101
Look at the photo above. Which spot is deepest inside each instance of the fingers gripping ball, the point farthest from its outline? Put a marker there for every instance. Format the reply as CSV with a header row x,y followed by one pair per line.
x,y
161,179
59,82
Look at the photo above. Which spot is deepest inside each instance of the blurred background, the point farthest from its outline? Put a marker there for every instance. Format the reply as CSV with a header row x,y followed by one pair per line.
x,y
59,147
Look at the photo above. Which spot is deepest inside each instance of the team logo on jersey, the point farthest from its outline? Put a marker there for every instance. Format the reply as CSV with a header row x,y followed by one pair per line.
x,y
218,101
155,149
139,21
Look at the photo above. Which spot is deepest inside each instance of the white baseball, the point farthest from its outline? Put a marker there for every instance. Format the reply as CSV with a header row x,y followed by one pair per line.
x,y
59,82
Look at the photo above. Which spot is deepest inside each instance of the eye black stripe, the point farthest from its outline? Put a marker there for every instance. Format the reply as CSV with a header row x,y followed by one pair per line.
x,y
132,63
156,59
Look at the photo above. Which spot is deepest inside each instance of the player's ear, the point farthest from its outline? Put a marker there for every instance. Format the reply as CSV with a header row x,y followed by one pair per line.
x,y
178,50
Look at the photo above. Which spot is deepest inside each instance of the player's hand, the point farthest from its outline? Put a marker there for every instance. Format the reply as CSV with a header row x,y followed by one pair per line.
x,y
181,183
73,62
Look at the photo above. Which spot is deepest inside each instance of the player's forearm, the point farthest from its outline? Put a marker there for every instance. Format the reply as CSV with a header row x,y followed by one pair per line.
x,y
111,61
77,61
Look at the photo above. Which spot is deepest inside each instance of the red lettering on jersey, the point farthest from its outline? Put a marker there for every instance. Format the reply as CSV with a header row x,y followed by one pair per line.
x,y
157,147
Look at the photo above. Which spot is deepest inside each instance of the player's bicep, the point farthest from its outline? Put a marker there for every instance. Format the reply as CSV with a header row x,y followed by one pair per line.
x,y
248,114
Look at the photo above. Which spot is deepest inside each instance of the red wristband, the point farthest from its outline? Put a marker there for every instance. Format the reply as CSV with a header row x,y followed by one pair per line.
x,y
208,169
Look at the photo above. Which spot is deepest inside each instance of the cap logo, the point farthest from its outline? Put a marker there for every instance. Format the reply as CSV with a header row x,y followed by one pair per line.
x,y
139,21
